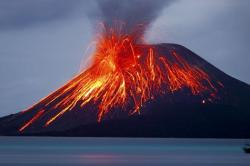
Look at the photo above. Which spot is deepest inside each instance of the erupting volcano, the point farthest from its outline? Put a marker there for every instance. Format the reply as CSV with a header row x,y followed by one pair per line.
x,y
124,75
135,87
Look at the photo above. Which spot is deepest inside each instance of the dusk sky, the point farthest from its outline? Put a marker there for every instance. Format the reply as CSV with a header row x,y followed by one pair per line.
x,y
42,42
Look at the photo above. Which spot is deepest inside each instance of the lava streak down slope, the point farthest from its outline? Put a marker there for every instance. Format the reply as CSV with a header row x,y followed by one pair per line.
x,y
215,105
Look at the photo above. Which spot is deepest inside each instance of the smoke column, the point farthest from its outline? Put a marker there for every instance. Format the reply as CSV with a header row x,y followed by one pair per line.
x,y
131,12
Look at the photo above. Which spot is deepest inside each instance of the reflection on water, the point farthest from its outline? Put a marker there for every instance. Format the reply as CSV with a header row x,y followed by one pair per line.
x,y
121,151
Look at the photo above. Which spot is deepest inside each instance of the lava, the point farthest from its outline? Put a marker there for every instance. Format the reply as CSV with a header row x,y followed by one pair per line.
x,y
123,74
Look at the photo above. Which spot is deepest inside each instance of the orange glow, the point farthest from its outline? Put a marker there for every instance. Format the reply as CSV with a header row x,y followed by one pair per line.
x,y
124,75
31,120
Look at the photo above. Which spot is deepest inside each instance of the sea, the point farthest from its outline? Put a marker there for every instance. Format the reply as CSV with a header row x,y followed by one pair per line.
x,y
79,151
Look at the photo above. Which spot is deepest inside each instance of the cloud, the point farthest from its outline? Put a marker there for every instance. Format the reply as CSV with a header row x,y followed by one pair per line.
x,y
16,14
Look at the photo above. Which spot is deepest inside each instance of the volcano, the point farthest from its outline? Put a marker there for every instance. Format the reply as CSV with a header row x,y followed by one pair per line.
x,y
140,90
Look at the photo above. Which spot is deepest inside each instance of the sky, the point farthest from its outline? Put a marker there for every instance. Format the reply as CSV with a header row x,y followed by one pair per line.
x,y
43,42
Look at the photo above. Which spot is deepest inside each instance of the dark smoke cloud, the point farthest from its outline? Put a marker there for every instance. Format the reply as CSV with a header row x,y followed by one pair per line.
x,y
131,12
16,14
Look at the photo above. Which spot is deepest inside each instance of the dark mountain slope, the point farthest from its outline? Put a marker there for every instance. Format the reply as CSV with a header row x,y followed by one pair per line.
x,y
172,115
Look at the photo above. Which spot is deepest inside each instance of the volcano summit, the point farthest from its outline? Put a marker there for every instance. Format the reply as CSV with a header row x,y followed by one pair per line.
x,y
134,89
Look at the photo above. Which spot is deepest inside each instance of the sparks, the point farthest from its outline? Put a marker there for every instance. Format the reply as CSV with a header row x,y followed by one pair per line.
x,y
125,75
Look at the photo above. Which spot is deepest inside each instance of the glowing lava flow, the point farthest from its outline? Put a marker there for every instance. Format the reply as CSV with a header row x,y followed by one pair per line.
x,y
124,75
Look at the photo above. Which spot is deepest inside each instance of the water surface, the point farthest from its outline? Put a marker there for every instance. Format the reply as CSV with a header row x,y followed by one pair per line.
x,y
122,151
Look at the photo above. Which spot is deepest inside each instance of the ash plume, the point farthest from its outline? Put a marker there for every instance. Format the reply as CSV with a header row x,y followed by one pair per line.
x,y
131,12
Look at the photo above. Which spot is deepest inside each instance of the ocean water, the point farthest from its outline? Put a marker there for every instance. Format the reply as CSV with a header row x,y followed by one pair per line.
x,y
122,151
